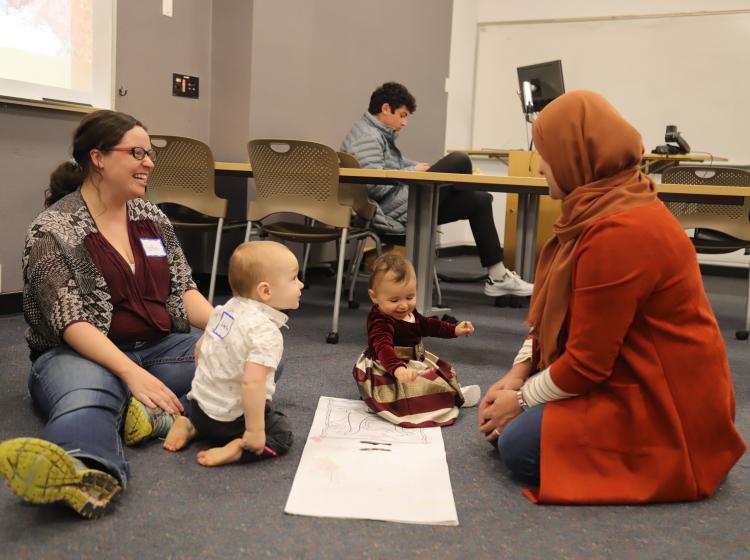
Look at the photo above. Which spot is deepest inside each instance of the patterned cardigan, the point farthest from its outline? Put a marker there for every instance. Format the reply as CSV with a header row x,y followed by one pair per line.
x,y
62,284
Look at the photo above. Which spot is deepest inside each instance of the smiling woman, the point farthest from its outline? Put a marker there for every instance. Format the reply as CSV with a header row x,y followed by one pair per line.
x,y
109,300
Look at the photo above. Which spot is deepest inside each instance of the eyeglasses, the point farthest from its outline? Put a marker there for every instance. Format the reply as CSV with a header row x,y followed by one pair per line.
x,y
137,152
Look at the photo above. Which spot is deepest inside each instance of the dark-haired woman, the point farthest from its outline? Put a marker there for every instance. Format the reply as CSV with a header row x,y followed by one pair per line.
x,y
632,398
109,301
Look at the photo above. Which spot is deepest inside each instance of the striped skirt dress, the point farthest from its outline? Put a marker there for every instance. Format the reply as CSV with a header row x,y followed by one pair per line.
x,y
432,400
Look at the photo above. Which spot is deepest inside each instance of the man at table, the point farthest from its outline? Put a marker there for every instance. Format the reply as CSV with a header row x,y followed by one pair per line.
x,y
372,140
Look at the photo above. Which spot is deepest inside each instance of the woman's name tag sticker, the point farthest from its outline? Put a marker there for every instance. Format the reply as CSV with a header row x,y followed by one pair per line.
x,y
224,325
153,247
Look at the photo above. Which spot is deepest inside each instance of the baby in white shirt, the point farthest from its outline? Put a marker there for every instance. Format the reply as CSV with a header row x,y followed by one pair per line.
x,y
230,398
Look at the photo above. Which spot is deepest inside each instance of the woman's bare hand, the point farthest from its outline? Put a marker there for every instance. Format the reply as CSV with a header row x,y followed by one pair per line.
x,y
152,392
495,415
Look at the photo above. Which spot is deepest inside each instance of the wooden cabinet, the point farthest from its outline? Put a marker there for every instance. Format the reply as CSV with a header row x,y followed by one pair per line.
x,y
526,164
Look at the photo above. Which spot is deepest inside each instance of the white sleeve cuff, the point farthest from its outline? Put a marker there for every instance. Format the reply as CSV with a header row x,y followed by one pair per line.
x,y
525,352
540,389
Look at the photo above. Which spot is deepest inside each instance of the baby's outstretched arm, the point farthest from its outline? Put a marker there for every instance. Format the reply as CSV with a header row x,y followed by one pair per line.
x,y
464,328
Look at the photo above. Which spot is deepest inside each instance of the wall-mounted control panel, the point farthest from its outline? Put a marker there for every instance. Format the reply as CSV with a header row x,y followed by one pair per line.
x,y
185,86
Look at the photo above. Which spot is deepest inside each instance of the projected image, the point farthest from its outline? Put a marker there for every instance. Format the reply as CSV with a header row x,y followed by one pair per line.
x,y
47,42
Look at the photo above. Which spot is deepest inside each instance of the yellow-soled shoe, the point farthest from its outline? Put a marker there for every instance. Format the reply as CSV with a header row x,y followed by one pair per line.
x,y
143,423
41,472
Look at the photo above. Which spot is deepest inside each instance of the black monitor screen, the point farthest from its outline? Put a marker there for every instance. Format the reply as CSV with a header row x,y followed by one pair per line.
x,y
546,81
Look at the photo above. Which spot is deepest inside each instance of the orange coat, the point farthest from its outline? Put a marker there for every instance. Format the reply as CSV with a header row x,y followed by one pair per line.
x,y
654,421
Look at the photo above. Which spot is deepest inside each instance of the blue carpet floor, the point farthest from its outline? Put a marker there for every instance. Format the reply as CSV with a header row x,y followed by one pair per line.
x,y
175,508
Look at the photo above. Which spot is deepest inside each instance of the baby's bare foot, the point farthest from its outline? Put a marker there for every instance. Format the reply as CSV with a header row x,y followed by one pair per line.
x,y
181,432
216,456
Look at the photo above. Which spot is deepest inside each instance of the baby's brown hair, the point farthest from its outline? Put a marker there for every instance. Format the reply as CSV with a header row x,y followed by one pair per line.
x,y
394,263
250,264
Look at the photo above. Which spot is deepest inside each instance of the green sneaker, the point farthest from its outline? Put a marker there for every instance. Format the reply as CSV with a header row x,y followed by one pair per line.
x,y
41,472
143,424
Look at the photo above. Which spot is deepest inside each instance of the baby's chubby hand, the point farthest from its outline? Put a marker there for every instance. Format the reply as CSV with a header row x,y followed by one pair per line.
x,y
254,440
464,328
406,375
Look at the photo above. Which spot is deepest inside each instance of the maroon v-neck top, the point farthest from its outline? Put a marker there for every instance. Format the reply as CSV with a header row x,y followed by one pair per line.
x,y
139,299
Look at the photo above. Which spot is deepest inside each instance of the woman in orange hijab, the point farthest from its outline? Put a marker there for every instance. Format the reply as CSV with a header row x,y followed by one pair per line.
x,y
632,400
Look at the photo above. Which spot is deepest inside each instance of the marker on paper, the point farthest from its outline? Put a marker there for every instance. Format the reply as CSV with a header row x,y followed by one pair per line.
x,y
375,442
373,449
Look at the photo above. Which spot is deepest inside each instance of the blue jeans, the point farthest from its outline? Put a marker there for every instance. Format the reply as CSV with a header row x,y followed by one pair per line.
x,y
84,403
519,445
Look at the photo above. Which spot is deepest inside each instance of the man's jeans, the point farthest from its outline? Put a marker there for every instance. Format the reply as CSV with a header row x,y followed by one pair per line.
x,y
84,403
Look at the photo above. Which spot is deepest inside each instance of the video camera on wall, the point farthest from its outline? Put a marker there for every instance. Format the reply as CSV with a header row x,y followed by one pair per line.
x,y
673,135
539,84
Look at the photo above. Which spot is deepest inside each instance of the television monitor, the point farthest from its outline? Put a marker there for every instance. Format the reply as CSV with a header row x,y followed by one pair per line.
x,y
544,83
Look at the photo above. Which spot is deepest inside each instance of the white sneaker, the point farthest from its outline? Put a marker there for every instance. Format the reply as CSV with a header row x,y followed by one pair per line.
x,y
472,394
510,284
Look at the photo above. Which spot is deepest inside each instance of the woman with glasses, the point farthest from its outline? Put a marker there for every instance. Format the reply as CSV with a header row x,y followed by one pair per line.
x,y
109,301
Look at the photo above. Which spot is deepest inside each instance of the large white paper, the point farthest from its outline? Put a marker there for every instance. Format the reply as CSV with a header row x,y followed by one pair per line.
x,y
357,465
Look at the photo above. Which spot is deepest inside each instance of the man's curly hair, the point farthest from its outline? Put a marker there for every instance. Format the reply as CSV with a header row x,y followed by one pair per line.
x,y
393,93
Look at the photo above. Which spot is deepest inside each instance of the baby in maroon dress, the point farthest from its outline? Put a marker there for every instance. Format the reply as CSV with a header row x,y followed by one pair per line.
x,y
397,378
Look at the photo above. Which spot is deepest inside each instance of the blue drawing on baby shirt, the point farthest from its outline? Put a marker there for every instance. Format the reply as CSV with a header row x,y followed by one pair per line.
x,y
224,325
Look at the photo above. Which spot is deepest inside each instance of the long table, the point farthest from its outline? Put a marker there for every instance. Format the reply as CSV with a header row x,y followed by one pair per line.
x,y
647,160
422,213
423,201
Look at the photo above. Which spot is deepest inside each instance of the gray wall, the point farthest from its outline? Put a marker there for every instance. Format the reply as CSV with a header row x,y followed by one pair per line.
x,y
32,143
230,75
315,65
150,47
278,68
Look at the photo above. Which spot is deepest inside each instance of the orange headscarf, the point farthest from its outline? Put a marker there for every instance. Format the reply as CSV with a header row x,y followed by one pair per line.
x,y
595,156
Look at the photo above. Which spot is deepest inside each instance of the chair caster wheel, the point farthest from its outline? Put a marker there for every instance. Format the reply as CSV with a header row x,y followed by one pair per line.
x,y
502,301
517,302
741,335
354,304
332,338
